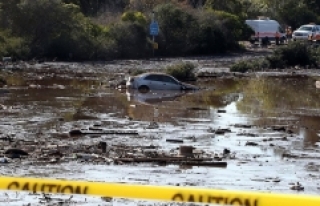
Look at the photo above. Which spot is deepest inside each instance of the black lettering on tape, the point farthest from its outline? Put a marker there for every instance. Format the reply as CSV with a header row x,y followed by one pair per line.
x,y
85,190
218,199
51,187
214,199
58,188
66,188
191,198
54,188
42,187
235,201
248,203
177,197
34,188
25,186
13,186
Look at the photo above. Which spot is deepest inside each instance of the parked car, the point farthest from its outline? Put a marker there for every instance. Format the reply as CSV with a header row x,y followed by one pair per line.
x,y
307,32
157,81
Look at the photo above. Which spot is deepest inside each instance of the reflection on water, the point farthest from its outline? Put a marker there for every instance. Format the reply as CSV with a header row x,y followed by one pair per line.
x,y
154,97
293,102
161,106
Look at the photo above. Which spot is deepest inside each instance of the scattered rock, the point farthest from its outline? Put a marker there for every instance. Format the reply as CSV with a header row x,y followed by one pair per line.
x,y
3,160
251,143
248,134
226,151
278,128
245,126
222,131
297,187
15,151
289,155
153,125
107,199
174,140
221,111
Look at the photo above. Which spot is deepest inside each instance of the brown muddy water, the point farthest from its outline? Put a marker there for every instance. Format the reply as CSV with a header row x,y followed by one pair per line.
x,y
269,123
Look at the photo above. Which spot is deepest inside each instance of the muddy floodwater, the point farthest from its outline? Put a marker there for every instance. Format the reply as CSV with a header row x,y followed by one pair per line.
x,y
74,124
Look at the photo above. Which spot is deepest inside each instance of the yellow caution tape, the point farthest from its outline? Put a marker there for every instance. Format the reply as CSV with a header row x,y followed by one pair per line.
x,y
163,193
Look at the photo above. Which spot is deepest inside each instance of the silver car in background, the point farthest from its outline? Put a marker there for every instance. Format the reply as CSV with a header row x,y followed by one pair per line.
x,y
305,31
157,81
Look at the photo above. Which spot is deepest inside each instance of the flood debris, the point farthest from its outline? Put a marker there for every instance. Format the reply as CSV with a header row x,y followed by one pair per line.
x,y
222,131
15,153
249,143
174,140
101,152
297,186
153,125
221,111
278,128
244,126
99,131
186,151
267,179
6,138
46,198
3,160
247,134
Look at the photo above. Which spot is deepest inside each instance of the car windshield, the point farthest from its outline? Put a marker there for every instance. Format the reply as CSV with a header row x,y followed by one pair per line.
x,y
305,28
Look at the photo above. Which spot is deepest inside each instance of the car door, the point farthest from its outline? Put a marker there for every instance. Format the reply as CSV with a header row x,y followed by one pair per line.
x,y
153,81
169,83
317,37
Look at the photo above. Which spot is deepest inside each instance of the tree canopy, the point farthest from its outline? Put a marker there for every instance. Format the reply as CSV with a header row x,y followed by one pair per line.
x,y
107,29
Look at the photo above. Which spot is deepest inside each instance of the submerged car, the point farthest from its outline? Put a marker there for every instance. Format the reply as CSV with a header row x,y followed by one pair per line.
x,y
157,81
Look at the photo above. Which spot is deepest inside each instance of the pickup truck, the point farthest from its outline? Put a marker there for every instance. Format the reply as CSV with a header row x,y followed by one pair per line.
x,y
309,32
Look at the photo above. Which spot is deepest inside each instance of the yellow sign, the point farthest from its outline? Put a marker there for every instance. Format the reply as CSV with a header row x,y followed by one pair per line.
x,y
155,45
164,193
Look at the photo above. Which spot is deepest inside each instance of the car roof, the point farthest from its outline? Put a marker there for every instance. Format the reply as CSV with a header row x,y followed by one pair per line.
x,y
308,25
153,73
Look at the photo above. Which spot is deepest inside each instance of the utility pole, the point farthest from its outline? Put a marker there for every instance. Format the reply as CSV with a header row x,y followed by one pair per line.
x,y
152,35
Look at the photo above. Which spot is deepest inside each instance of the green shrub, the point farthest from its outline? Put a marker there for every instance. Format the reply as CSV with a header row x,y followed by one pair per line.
x,y
2,81
134,17
135,72
294,54
182,71
242,66
15,47
316,54
131,40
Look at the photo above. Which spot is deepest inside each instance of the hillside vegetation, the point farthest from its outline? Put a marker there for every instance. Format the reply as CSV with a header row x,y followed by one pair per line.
x,y
115,29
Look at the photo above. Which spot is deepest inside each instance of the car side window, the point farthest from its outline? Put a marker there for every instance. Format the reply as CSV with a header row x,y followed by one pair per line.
x,y
314,29
280,29
152,78
169,80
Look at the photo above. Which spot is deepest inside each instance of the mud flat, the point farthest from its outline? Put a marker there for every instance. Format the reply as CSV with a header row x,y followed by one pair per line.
x,y
257,131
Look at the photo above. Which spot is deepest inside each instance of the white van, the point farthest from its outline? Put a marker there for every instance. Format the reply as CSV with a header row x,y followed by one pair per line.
x,y
265,27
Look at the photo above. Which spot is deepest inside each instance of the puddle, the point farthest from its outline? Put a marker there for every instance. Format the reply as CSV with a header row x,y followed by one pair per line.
x,y
269,124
